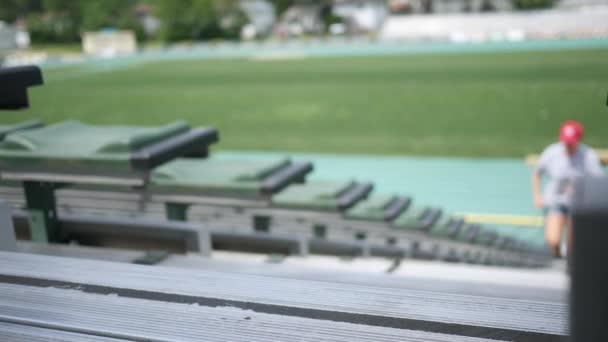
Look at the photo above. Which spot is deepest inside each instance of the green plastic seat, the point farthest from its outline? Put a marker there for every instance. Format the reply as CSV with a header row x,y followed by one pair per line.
x,y
486,237
322,195
468,233
75,147
227,177
379,208
502,237
418,218
410,219
447,227
22,126
490,236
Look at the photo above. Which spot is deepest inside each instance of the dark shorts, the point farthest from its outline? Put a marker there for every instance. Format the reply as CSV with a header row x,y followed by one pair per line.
x,y
557,209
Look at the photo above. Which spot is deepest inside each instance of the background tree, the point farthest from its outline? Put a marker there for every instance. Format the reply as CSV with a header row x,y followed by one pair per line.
x,y
11,10
55,21
199,19
63,21
532,4
280,6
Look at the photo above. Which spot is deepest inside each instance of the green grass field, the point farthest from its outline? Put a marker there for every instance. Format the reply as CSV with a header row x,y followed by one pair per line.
x,y
491,105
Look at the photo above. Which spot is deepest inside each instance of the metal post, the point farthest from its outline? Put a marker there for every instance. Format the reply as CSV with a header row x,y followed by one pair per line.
x,y
8,242
205,245
303,248
176,211
589,272
40,200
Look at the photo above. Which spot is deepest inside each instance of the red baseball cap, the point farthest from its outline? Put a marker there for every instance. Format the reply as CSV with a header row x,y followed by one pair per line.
x,y
571,132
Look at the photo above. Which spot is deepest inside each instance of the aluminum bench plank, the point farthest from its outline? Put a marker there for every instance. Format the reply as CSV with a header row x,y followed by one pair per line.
x,y
476,316
25,333
149,320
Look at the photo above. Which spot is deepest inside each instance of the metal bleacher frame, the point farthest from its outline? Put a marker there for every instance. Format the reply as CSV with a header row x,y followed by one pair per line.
x,y
233,222
39,186
240,223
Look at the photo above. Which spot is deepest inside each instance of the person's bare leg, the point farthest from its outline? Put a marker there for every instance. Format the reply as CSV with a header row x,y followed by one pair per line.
x,y
569,236
554,223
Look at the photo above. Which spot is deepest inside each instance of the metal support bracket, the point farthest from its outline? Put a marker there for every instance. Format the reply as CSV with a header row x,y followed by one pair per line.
x,y
8,242
176,211
40,202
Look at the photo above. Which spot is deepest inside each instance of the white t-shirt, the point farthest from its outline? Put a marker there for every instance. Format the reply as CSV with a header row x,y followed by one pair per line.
x,y
562,169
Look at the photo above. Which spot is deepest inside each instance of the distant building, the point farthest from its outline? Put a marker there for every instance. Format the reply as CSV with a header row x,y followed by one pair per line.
x,y
581,3
109,43
13,37
358,16
7,37
302,18
261,15
465,6
150,23
361,15
499,26
448,6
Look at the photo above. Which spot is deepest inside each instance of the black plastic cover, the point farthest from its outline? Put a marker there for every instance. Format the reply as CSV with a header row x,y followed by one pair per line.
x,y
396,207
14,82
292,173
356,193
454,226
472,232
431,217
177,146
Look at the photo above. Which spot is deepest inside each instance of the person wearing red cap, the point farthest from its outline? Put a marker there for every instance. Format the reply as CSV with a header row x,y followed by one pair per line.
x,y
561,163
